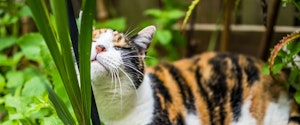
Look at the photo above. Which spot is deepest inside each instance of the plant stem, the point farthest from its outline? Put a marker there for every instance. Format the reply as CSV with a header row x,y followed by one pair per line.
x,y
268,35
225,37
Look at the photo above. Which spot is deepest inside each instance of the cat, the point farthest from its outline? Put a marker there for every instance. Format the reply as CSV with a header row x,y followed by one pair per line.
x,y
212,88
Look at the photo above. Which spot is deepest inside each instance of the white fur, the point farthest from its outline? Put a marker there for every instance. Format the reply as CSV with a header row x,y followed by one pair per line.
x,y
246,117
141,110
192,119
278,113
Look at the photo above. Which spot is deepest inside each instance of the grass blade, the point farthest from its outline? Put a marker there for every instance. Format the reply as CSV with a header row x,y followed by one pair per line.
x,y
85,39
60,107
41,17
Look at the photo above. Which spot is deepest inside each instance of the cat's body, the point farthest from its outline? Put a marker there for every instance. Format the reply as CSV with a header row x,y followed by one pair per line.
x,y
211,88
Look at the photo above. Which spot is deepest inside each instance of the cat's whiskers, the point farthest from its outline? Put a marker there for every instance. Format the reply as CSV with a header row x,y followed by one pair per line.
x,y
127,53
129,80
114,77
114,66
121,91
129,33
125,57
128,30
130,66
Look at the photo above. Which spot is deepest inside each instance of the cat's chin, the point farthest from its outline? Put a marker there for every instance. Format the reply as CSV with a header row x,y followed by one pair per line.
x,y
97,70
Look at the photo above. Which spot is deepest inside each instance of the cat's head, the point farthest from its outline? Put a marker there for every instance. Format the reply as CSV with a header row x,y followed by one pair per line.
x,y
115,56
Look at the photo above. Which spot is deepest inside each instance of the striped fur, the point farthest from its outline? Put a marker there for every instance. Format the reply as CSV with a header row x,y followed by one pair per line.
x,y
208,89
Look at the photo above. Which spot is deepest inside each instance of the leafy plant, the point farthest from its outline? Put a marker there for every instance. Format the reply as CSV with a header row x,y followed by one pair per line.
x,y
118,24
10,14
280,59
285,55
167,43
25,64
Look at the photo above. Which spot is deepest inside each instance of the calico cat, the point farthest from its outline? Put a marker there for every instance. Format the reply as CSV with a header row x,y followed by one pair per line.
x,y
208,89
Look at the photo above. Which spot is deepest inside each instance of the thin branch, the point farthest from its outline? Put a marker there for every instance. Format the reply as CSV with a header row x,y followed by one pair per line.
x,y
225,37
268,35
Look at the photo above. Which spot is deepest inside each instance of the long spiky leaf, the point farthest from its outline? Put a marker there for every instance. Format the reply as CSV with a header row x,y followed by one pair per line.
x,y
85,39
71,85
60,107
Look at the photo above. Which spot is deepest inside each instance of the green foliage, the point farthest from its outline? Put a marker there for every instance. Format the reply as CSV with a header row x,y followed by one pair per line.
x,y
11,12
167,43
287,59
22,77
118,24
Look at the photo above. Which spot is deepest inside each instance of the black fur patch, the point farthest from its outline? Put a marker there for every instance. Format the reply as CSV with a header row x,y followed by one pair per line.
x,y
204,94
218,84
294,119
133,65
179,120
187,96
251,71
237,91
160,115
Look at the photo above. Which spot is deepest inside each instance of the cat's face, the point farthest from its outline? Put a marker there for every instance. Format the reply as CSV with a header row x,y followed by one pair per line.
x,y
114,56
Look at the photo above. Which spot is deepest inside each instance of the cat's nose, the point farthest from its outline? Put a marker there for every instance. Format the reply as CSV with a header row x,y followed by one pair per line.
x,y
100,48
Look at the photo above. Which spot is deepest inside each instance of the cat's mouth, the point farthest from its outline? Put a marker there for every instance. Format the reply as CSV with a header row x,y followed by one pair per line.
x,y
99,64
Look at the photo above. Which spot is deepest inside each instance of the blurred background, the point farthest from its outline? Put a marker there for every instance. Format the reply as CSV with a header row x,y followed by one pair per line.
x,y
241,26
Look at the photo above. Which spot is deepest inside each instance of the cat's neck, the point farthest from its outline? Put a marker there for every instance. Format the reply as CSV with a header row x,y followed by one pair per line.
x,y
134,104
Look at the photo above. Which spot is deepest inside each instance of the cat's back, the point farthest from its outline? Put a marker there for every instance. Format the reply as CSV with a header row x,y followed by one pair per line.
x,y
218,88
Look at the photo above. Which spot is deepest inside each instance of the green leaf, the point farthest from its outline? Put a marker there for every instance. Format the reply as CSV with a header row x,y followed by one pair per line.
x,y
2,83
265,69
277,67
60,107
52,120
118,24
30,45
297,4
294,47
153,12
16,58
297,97
38,112
25,12
84,56
16,105
33,87
3,60
7,42
293,76
164,36
174,14
14,79
69,76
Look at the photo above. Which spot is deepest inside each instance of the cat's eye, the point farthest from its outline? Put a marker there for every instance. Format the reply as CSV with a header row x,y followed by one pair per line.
x,y
117,47
121,48
119,38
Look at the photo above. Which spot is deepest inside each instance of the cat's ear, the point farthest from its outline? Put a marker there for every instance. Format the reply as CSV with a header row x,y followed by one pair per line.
x,y
144,38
